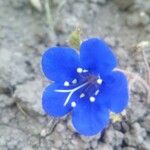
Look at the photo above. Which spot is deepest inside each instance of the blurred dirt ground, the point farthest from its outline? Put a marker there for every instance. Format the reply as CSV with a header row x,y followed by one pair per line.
x,y
27,27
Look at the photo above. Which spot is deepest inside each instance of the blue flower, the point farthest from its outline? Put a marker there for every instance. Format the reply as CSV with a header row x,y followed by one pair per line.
x,y
85,85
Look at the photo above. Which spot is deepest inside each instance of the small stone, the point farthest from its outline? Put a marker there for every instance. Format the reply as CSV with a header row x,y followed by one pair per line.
x,y
132,113
3,148
143,5
124,4
54,148
74,141
16,71
129,148
27,148
137,19
5,100
36,4
104,146
125,127
99,1
145,145
138,130
146,123
86,145
113,137
111,40
135,136
147,28
86,139
60,127
117,126
12,137
43,133
58,143
94,144
30,98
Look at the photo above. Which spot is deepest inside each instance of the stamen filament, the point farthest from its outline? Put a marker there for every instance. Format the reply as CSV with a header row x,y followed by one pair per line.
x,y
71,92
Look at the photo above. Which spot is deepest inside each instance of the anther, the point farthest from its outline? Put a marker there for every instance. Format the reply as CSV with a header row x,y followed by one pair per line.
x,y
96,92
82,95
99,81
74,81
85,70
92,99
79,70
66,83
73,104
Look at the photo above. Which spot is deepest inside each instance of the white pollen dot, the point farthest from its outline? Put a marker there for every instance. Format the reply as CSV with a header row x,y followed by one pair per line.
x,y
92,99
73,104
82,95
85,70
96,92
99,81
74,81
66,83
79,70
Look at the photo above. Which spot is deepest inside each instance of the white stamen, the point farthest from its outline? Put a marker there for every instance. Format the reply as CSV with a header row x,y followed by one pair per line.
x,y
79,70
99,81
85,70
70,91
74,81
73,104
92,99
82,95
66,83
96,92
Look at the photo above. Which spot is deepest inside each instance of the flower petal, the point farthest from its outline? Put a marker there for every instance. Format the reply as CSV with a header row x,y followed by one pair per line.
x,y
97,57
60,63
53,102
114,91
89,118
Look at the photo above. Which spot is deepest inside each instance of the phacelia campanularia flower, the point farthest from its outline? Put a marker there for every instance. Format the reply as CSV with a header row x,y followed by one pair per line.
x,y
85,84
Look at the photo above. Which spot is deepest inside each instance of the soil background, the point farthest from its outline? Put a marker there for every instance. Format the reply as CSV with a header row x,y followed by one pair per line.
x,y
27,28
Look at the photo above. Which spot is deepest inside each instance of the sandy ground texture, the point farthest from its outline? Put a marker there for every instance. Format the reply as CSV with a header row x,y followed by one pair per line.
x,y
26,30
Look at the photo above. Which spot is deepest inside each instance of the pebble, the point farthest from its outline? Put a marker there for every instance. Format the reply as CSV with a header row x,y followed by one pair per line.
x,y
137,19
36,4
146,123
104,146
26,98
124,4
5,101
94,144
125,126
58,143
129,148
113,137
135,136
99,1
27,148
60,127
145,145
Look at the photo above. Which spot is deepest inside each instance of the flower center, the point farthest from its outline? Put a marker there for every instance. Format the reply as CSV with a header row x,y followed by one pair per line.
x,y
91,90
88,83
